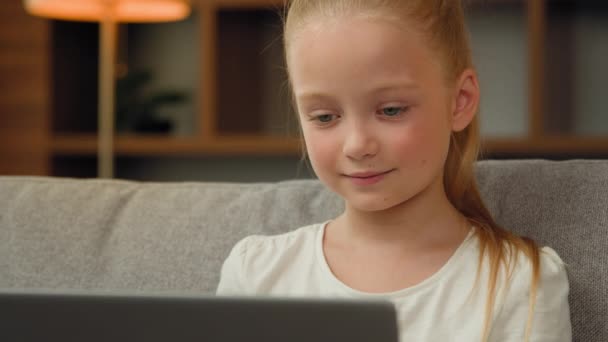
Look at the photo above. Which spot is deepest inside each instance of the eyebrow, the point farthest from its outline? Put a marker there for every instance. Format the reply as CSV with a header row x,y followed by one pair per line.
x,y
311,96
395,86
392,86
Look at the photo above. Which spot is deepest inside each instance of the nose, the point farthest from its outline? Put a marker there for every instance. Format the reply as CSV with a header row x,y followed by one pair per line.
x,y
360,141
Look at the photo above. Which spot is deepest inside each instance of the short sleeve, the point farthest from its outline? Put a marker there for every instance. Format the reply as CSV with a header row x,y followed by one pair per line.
x,y
551,321
231,277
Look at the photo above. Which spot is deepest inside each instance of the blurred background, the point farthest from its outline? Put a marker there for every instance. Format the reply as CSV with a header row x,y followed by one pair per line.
x,y
205,98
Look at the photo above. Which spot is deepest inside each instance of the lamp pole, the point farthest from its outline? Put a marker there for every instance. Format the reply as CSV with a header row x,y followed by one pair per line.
x,y
107,48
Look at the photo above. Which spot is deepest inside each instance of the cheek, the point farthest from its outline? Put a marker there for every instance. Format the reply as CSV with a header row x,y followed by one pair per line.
x,y
438,142
320,150
424,141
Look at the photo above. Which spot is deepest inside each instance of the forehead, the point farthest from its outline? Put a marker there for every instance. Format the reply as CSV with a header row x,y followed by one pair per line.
x,y
357,49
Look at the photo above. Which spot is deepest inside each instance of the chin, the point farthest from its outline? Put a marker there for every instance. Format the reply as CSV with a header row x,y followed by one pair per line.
x,y
373,203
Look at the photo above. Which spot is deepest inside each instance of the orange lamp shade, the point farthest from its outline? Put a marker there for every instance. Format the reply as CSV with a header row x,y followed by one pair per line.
x,y
117,10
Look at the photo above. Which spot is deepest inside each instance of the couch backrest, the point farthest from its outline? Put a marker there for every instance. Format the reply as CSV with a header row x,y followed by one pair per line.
x,y
154,237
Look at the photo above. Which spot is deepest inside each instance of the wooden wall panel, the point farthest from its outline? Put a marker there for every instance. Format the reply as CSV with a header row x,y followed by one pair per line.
x,y
24,92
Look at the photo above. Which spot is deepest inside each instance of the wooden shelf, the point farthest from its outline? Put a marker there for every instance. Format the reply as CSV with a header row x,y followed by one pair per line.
x,y
144,145
554,145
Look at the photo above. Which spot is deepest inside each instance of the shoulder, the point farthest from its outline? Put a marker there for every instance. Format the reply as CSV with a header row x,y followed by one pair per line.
x,y
552,273
259,247
257,256
515,277
518,270
551,315
519,273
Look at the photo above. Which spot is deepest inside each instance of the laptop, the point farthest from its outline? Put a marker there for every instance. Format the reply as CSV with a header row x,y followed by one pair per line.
x,y
67,317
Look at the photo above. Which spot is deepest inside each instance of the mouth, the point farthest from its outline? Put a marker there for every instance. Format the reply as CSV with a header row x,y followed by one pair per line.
x,y
367,178
367,174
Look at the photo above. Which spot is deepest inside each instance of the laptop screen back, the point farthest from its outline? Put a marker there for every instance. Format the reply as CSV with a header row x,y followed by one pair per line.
x,y
29,317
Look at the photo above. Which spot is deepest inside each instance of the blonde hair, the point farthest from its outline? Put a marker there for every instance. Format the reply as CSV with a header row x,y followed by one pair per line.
x,y
444,23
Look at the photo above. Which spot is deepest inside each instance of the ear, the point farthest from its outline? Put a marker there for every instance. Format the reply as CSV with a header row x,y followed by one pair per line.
x,y
466,100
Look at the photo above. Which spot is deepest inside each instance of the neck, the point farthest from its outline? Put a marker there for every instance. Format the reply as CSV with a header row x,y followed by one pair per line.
x,y
427,219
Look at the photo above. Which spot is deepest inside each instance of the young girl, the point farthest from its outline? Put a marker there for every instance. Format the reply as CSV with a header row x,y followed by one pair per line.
x,y
387,98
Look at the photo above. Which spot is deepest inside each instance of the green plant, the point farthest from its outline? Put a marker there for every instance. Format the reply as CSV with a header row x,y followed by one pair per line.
x,y
137,110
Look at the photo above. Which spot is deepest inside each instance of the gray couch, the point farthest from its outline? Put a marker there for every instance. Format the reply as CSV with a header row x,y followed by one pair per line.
x,y
155,237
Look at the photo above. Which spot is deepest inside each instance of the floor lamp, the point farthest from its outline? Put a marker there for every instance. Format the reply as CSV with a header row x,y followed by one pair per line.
x,y
108,13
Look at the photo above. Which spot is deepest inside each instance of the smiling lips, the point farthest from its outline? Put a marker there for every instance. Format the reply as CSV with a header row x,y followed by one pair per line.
x,y
367,178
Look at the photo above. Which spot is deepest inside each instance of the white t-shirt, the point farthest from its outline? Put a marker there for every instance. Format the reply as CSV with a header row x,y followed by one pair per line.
x,y
444,307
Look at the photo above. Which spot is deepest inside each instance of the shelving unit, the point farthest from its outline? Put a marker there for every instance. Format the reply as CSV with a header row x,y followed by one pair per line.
x,y
544,91
243,95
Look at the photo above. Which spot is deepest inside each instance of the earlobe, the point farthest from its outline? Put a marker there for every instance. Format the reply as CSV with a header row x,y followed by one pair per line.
x,y
466,100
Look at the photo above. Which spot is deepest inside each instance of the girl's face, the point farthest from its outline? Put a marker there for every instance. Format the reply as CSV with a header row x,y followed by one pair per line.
x,y
375,109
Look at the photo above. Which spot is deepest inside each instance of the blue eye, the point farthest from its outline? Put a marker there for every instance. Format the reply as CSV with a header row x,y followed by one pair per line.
x,y
324,118
392,111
